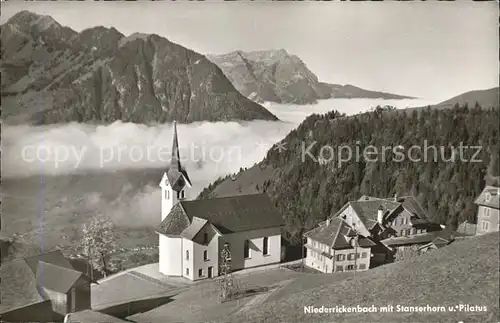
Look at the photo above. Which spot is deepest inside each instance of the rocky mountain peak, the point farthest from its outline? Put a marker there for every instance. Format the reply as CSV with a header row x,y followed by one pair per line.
x,y
99,75
278,76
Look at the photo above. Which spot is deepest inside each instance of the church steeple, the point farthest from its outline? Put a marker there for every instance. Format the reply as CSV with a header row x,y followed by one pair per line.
x,y
175,180
175,161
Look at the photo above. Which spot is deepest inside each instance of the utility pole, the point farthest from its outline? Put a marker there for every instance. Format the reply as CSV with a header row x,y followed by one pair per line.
x,y
354,243
302,250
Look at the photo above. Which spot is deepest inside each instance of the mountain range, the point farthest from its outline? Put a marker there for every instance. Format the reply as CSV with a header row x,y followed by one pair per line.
x,y
52,74
277,76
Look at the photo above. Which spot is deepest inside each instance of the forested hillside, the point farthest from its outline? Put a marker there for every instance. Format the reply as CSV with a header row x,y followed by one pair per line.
x,y
306,191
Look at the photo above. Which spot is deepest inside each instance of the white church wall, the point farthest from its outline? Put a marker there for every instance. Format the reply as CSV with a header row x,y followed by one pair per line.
x,y
256,257
170,262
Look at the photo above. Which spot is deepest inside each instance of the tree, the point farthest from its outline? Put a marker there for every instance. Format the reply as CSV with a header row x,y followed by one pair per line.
x,y
98,241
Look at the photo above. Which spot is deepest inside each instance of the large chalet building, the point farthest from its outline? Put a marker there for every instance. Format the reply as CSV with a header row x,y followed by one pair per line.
x,y
193,233
488,210
487,217
369,232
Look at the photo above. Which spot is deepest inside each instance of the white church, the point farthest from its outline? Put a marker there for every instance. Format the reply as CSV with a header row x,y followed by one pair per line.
x,y
192,233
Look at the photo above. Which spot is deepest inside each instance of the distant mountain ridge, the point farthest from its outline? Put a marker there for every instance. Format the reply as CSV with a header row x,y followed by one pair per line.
x,y
52,74
277,76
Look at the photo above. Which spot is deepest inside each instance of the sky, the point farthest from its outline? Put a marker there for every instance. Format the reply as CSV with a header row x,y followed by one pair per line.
x,y
430,50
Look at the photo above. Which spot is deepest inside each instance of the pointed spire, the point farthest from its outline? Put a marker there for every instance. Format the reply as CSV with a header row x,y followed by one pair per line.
x,y
175,161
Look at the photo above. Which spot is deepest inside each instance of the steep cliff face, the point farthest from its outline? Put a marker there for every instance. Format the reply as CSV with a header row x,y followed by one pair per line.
x,y
52,74
277,76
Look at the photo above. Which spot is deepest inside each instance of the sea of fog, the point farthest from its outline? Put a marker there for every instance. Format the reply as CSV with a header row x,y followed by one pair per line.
x,y
208,150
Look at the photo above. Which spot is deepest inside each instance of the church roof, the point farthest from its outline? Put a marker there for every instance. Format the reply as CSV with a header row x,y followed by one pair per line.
x,y
175,222
196,225
227,214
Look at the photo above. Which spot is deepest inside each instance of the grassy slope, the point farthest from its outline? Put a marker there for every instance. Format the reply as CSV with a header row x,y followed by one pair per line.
x,y
200,302
466,272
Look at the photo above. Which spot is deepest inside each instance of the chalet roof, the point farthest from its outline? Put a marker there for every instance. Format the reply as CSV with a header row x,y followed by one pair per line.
x,y
438,243
20,278
489,197
344,237
422,238
367,210
411,204
56,278
228,214
324,233
54,257
337,235
18,285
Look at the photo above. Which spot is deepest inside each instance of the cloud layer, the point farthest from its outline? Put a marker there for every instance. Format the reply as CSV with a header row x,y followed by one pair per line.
x,y
208,150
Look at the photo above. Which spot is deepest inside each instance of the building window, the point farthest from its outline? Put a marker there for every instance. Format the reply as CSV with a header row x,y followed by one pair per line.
x,y
182,194
187,254
350,256
363,255
486,212
339,269
166,194
205,238
349,267
326,268
357,255
200,272
205,255
265,246
486,225
339,257
362,266
246,251
187,271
